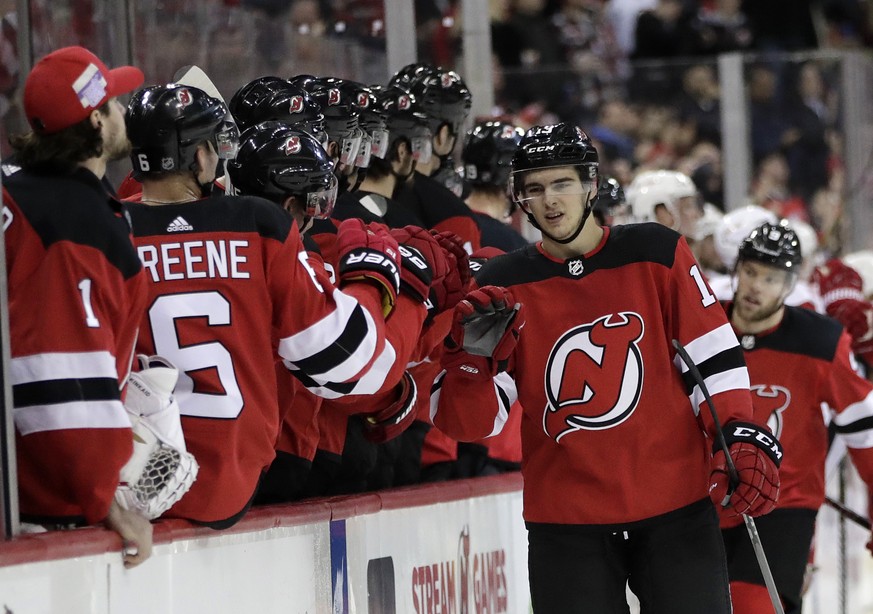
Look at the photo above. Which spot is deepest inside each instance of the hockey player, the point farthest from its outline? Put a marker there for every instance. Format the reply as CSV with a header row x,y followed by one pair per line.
x,y
610,207
231,291
798,362
487,154
76,296
445,100
619,484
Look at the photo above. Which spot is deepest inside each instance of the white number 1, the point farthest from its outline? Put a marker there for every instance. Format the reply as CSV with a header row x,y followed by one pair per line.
x,y
90,319
707,298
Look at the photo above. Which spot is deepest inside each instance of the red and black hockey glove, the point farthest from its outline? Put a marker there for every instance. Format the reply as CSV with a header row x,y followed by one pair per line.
x,y
454,286
842,291
485,331
369,252
423,262
386,424
756,454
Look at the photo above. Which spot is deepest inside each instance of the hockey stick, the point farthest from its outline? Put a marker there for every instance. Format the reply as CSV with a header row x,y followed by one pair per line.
x,y
852,515
734,479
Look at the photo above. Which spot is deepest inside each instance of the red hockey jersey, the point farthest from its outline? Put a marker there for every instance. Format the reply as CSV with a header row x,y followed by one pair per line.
x,y
76,297
231,290
795,368
609,436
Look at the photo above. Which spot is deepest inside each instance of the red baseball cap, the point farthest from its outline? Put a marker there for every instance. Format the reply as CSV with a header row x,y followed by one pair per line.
x,y
66,85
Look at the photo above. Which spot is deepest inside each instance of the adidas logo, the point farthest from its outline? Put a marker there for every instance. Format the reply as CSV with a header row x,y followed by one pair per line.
x,y
179,224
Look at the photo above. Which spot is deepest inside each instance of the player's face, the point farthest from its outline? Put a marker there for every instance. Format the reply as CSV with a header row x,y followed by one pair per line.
x,y
116,145
556,197
761,290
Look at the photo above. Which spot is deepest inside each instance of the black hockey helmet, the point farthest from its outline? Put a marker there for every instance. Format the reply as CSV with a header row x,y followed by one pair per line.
x,y
340,116
442,94
404,120
276,161
610,197
553,146
488,151
276,99
775,245
166,123
371,118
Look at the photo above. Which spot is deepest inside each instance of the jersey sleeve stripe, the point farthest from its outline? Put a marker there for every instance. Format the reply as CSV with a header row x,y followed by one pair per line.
x,y
507,394
734,379
75,415
706,346
858,434
727,360
370,383
336,361
63,365
853,414
436,390
65,391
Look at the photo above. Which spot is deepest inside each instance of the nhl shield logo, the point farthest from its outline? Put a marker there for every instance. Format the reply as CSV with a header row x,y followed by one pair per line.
x,y
292,145
748,342
167,164
295,105
575,267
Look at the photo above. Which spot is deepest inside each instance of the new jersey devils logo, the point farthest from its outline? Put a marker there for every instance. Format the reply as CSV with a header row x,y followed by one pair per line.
x,y
363,100
771,401
594,375
507,132
403,103
333,96
292,145
447,79
295,105
184,97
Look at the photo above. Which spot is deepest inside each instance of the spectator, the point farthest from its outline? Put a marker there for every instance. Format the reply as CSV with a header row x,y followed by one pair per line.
x,y
76,295
699,103
722,28
766,112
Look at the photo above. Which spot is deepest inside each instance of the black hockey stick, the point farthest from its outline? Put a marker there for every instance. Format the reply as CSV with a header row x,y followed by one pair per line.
x,y
733,480
852,515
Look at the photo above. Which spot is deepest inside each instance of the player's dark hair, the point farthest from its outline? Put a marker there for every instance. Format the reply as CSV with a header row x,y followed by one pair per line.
x,y
59,152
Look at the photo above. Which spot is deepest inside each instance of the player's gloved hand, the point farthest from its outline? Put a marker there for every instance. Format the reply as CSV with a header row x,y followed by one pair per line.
x,y
423,262
842,291
756,454
837,281
389,422
485,331
453,286
369,252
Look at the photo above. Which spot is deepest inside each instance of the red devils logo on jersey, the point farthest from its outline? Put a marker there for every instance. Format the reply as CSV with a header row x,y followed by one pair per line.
x,y
295,105
594,375
333,96
183,96
771,401
403,103
363,100
292,145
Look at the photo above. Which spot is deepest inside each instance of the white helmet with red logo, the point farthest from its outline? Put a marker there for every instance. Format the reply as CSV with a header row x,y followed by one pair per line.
x,y
652,188
735,227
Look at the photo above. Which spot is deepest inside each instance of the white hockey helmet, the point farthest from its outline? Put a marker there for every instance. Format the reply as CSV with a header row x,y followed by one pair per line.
x,y
808,246
708,223
862,261
652,188
736,226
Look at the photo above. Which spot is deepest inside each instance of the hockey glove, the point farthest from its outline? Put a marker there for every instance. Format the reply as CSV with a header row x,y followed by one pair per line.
x,y
454,286
386,424
485,331
756,454
423,261
160,470
841,289
369,252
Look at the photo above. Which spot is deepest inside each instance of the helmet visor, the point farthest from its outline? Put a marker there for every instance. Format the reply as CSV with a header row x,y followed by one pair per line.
x,y
350,146
364,152
379,143
534,186
226,140
319,204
